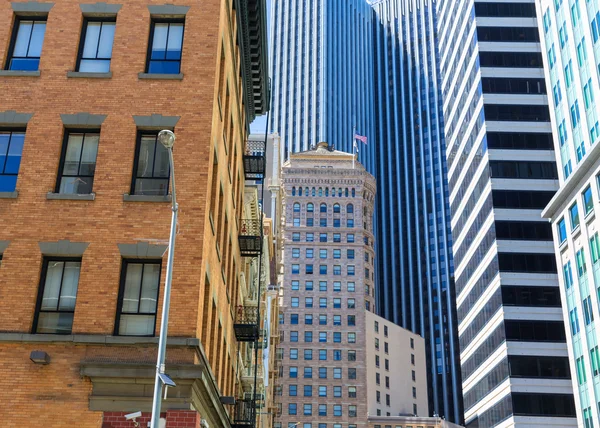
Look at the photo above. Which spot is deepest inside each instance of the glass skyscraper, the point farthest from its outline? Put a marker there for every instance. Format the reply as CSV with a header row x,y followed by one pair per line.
x,y
571,50
344,64
501,174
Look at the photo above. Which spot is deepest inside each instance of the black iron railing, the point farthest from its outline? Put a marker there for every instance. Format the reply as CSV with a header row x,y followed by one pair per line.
x,y
254,160
250,238
246,324
243,414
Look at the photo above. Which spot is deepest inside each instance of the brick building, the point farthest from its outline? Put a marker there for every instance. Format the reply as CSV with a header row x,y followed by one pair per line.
x,y
85,213
339,361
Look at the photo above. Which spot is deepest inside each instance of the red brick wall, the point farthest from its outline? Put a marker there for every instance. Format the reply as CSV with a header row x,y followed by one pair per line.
x,y
175,419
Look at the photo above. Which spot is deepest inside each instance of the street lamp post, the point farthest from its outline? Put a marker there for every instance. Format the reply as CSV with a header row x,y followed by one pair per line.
x,y
167,139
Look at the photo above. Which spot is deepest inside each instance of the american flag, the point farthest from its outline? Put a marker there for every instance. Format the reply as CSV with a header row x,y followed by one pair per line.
x,y
360,137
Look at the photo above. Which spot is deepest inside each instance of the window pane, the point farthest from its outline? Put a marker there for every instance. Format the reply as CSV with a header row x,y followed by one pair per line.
x,y
55,322
73,154
68,293
175,41
150,288
133,281
136,325
22,41
37,39
52,285
161,162
146,156
159,44
94,66
15,150
91,39
88,157
106,40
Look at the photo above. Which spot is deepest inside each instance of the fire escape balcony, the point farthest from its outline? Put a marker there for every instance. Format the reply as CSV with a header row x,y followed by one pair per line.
x,y
244,413
248,377
254,160
246,324
250,238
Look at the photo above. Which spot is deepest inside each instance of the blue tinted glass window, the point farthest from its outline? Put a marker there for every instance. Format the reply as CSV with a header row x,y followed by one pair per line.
x,y
166,45
11,149
27,48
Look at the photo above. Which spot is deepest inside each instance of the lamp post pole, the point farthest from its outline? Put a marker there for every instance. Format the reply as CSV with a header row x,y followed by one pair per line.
x,y
167,139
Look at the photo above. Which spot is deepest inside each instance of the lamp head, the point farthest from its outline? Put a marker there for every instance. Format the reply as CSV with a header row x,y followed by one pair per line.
x,y
166,138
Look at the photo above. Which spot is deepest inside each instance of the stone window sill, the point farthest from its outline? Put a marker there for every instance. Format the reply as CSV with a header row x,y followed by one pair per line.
x,y
9,195
72,197
19,73
80,74
146,198
160,76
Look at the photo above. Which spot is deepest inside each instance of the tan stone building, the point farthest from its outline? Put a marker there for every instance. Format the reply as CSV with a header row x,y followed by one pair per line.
x,y
334,369
85,212
410,422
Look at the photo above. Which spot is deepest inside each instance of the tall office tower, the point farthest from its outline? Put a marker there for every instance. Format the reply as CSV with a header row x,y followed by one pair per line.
x,y
571,46
340,362
416,288
322,70
85,208
501,173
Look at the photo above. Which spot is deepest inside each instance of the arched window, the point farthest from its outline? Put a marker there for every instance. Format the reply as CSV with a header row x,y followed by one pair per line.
x,y
349,209
323,208
299,191
336,208
310,207
340,192
306,191
320,191
333,192
327,191
313,191
293,191
346,192
296,207
353,192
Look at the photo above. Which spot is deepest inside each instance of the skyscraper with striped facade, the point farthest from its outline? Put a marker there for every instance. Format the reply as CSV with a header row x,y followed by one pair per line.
x,y
570,42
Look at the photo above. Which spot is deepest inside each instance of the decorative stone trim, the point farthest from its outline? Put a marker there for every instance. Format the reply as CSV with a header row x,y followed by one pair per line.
x,y
143,250
31,7
157,76
146,198
81,74
168,10
100,9
63,248
19,73
156,121
83,120
12,118
72,197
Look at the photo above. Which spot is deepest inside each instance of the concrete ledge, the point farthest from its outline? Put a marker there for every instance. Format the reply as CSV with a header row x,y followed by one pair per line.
x,y
19,73
63,248
71,197
88,75
146,198
9,195
168,10
83,119
160,76
100,9
142,250
31,7
12,118
96,339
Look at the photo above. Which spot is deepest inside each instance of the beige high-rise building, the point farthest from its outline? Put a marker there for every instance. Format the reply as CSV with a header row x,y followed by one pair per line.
x,y
339,362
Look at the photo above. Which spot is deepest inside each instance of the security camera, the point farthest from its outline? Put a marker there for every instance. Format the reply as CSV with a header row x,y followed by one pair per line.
x,y
134,415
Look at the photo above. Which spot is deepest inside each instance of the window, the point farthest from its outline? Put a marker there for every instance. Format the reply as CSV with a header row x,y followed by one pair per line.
x,y
351,270
308,372
295,253
386,364
296,237
351,320
293,354
350,208
323,269
351,304
292,409
322,254
308,269
293,372
295,285
322,354
307,390
351,392
310,237
336,208
57,296
387,382
351,287
308,319
352,411
351,355
308,336
309,253
323,336
295,269
337,320
323,222
337,303
337,408
95,50
166,42
562,230
310,207
337,237
412,359
322,391
414,376
11,149
295,302
310,222
350,222
377,344
323,208
26,44
293,391
337,286
574,214
322,237
293,318
322,372
412,343
376,360
337,392
350,254
350,237
337,269
378,396
151,166
138,297
322,302
337,355
308,285
293,336
377,378
322,319
337,336
337,373
322,285
322,411
337,254
588,202
351,337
